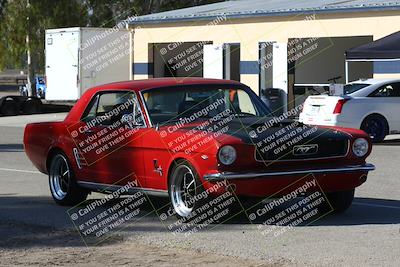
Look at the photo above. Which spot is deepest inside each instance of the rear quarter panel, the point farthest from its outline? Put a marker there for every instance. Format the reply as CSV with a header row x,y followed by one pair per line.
x,y
357,109
40,138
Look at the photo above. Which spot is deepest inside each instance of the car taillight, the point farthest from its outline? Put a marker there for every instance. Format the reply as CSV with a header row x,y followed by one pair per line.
x,y
339,106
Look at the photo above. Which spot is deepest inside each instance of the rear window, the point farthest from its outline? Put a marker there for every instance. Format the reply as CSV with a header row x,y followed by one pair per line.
x,y
354,87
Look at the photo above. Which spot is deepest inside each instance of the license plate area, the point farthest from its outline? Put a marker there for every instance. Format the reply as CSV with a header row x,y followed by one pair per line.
x,y
314,110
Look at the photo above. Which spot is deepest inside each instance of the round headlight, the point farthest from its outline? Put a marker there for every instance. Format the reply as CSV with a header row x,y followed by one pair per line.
x,y
360,147
227,155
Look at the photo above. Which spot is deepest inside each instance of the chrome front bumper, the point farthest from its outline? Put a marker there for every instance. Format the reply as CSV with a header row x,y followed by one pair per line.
x,y
253,175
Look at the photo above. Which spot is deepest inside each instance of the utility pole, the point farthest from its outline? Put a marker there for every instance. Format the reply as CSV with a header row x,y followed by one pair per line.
x,y
29,82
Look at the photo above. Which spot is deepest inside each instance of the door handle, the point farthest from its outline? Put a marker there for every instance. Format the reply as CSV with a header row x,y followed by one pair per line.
x,y
88,132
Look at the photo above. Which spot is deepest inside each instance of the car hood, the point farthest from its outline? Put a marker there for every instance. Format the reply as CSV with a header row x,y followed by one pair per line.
x,y
255,129
278,139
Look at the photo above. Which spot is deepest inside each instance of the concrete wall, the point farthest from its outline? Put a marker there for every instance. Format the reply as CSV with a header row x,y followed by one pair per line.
x,y
329,61
249,32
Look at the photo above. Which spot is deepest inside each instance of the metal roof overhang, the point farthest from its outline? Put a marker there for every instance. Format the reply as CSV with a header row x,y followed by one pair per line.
x,y
143,20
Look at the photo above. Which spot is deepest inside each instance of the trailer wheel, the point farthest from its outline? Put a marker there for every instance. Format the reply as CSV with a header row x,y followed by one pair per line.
x,y
31,106
9,108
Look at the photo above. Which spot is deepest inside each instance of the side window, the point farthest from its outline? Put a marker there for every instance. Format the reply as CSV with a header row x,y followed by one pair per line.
x,y
388,90
114,108
245,103
396,90
241,102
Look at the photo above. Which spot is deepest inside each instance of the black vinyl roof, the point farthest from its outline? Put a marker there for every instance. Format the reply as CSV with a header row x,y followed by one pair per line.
x,y
384,48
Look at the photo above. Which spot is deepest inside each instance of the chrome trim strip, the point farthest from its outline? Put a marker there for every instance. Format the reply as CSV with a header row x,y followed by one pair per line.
x,y
252,175
109,188
145,109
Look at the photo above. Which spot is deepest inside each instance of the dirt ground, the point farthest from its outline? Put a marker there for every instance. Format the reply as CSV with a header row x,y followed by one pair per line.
x,y
24,245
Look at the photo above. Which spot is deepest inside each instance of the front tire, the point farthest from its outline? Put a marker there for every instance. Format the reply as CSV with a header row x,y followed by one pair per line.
x,y
340,201
62,183
184,186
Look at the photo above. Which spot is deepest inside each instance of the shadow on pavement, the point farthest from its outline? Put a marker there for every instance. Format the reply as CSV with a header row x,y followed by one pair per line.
x,y
31,221
363,211
39,222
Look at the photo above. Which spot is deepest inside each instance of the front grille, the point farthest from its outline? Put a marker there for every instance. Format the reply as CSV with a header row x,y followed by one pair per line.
x,y
325,149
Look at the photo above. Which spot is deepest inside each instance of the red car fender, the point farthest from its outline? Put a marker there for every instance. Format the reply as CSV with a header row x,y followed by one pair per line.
x,y
194,161
63,144
354,134
202,162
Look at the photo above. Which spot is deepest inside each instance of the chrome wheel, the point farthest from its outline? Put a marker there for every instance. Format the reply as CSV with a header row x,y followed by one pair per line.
x,y
60,177
183,190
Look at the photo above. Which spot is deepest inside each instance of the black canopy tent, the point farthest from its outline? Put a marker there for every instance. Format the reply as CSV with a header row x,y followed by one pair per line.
x,y
384,49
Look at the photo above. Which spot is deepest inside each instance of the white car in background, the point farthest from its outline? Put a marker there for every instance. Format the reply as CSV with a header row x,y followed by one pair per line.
x,y
370,105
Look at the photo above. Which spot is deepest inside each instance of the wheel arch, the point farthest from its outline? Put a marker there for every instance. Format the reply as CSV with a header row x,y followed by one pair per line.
x,y
376,114
172,165
52,152
176,160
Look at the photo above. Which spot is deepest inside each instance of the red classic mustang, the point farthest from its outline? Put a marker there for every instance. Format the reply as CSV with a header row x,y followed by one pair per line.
x,y
183,137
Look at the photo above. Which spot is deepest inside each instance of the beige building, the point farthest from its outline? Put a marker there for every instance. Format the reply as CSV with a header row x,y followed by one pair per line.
x,y
295,46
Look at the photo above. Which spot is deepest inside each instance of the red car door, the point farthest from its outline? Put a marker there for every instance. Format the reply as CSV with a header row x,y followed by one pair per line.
x,y
109,140
156,158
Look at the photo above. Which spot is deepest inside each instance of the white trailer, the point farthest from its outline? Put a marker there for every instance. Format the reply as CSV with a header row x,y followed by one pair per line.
x,y
80,58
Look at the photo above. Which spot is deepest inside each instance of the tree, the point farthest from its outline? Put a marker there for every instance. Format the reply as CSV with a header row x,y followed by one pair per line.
x,y
107,13
20,20
2,4
12,41
17,20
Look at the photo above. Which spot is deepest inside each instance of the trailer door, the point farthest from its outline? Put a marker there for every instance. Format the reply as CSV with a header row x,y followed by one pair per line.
x,y
273,62
213,65
279,70
62,65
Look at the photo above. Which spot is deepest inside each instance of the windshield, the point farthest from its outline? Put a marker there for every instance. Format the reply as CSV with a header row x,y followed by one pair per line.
x,y
354,87
170,105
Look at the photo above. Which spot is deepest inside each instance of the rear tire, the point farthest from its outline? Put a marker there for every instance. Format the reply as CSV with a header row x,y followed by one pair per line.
x,y
62,182
340,201
376,127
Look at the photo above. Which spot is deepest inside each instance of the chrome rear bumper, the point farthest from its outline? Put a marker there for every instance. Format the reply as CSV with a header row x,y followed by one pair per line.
x,y
253,175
